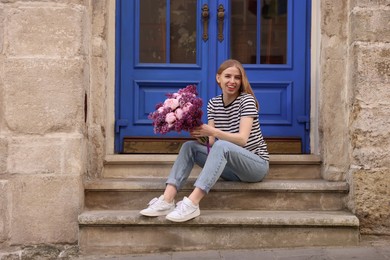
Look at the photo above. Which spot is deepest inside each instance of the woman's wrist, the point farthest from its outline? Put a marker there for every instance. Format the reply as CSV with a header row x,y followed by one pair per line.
x,y
215,133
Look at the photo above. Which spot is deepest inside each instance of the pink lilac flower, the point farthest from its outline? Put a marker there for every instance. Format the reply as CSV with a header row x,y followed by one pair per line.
x,y
170,118
179,113
172,103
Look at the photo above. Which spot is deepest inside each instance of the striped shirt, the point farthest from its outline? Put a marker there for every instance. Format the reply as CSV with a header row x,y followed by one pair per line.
x,y
227,119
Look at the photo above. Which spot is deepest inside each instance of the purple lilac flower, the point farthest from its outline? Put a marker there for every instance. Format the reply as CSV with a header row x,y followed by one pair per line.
x,y
188,115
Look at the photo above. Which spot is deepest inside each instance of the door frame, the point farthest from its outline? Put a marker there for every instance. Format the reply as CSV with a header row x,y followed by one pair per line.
x,y
312,61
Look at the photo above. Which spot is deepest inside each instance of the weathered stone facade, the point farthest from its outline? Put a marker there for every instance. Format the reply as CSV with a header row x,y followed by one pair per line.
x,y
56,110
355,105
370,113
46,69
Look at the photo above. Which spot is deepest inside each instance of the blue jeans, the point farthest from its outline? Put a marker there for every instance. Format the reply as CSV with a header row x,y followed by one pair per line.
x,y
226,160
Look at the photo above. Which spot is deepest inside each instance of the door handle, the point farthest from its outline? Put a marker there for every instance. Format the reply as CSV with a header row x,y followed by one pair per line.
x,y
221,17
205,19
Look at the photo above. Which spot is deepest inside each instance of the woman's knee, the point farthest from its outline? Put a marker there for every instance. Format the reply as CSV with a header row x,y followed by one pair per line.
x,y
221,144
188,145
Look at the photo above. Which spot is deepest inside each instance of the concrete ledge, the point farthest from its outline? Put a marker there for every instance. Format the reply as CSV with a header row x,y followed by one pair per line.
x,y
142,184
307,195
226,218
125,232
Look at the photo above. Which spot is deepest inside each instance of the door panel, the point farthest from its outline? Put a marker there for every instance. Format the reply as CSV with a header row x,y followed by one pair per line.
x,y
161,48
162,54
270,18
167,31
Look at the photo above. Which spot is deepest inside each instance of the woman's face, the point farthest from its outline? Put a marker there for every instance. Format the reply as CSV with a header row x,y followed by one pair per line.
x,y
230,81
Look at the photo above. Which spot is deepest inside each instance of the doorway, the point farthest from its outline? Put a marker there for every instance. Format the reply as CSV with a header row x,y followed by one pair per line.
x,y
164,45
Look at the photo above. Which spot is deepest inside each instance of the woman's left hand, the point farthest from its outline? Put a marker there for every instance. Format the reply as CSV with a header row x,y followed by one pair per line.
x,y
240,138
203,130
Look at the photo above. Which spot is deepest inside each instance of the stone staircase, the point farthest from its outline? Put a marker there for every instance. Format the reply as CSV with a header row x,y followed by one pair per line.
x,y
292,207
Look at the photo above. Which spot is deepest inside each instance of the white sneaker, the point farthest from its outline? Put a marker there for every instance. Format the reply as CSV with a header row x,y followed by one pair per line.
x,y
158,207
185,210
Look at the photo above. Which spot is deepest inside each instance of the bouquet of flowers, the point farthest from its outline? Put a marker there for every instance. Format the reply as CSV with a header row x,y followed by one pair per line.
x,y
181,111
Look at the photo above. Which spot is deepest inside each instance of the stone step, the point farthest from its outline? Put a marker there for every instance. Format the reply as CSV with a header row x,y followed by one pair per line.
x,y
304,166
113,232
125,194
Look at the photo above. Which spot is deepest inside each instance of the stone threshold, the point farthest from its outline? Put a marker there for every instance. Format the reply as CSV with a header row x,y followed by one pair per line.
x,y
295,159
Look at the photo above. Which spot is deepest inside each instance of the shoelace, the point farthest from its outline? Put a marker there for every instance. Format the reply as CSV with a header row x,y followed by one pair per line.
x,y
152,201
180,207
152,204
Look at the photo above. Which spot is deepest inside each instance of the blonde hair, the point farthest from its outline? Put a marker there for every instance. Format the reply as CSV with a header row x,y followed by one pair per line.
x,y
245,86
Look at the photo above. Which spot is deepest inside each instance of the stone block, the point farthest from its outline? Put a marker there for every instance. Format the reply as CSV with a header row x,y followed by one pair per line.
x,y
368,113
49,30
334,15
47,209
31,155
369,3
4,210
96,148
371,107
44,95
2,107
49,155
333,48
98,47
370,25
98,91
333,82
74,156
3,154
99,23
371,190
1,29
334,114
371,157
371,63
369,137
372,95
372,121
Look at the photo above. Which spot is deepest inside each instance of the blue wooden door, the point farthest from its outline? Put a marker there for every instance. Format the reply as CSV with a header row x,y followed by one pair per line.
x,y
164,45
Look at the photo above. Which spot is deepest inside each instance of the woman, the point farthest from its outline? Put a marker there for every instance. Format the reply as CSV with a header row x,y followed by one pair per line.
x,y
238,153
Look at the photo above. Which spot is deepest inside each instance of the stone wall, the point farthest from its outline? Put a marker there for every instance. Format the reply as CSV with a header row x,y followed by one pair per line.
x,y
334,101
45,81
53,79
98,84
369,130
355,105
